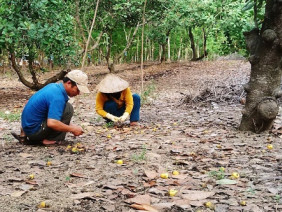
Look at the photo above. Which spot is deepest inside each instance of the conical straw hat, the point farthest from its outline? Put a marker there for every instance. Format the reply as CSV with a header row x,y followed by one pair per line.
x,y
112,84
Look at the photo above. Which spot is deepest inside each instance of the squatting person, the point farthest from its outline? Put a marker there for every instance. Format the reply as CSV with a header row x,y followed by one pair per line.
x,y
46,116
115,102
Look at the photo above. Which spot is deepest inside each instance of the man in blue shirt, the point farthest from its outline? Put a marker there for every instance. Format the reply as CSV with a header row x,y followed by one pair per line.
x,y
46,116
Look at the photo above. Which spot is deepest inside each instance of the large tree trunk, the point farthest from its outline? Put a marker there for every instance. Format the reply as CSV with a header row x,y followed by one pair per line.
x,y
265,47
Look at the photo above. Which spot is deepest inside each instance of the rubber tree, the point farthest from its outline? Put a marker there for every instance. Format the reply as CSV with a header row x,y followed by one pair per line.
x,y
32,27
263,88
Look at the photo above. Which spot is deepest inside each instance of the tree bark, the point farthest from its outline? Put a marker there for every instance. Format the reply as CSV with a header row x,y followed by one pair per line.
x,y
163,53
193,46
35,85
263,88
168,49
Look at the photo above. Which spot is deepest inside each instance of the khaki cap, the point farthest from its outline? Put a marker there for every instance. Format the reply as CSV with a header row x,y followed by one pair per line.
x,y
81,80
112,84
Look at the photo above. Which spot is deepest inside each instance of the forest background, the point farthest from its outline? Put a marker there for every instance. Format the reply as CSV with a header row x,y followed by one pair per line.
x,y
56,32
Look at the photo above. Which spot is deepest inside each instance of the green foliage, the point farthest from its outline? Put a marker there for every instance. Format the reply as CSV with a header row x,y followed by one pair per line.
x,y
217,174
141,156
109,124
147,93
8,137
277,198
32,27
11,117
37,28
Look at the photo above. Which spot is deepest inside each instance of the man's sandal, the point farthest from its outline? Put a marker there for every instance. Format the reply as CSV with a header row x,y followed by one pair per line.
x,y
21,139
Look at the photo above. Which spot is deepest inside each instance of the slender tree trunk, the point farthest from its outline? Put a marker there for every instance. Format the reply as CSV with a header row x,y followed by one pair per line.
x,y
128,44
142,46
89,35
153,51
179,51
193,46
168,49
160,52
137,50
111,65
263,89
204,43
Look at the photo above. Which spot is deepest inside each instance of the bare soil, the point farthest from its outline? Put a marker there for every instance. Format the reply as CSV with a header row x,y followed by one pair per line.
x,y
189,120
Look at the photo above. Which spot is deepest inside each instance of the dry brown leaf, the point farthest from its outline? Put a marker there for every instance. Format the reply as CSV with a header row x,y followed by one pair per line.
x,y
86,195
163,205
180,176
198,203
82,184
25,155
151,174
196,195
31,182
149,184
144,207
17,193
183,203
140,199
77,175
15,179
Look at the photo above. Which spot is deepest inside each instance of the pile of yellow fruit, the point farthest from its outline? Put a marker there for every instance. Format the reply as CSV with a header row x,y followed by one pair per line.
x,y
76,148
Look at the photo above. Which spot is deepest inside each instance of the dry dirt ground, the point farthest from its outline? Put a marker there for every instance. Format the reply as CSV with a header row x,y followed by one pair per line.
x,y
189,120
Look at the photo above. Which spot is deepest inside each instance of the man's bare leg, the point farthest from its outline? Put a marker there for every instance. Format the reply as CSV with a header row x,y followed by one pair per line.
x,y
22,134
48,142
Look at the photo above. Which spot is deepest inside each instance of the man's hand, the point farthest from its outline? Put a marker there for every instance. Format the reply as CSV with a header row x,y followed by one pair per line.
x,y
60,126
76,130
112,117
124,117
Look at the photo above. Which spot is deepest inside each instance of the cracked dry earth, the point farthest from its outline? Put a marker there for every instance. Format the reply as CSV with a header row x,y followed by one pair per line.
x,y
189,120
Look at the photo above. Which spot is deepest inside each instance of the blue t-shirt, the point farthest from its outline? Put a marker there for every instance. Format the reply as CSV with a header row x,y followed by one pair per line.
x,y
48,103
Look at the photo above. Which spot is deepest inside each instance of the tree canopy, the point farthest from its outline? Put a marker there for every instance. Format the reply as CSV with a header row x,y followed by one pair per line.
x,y
57,30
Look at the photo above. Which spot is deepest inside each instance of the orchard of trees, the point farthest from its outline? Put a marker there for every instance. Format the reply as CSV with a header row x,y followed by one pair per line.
x,y
64,33
57,31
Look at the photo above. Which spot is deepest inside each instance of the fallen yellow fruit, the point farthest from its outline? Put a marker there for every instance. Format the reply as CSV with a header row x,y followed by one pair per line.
x,y
175,173
109,136
120,162
210,205
42,205
270,146
243,203
74,150
172,192
164,175
49,163
31,176
235,175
